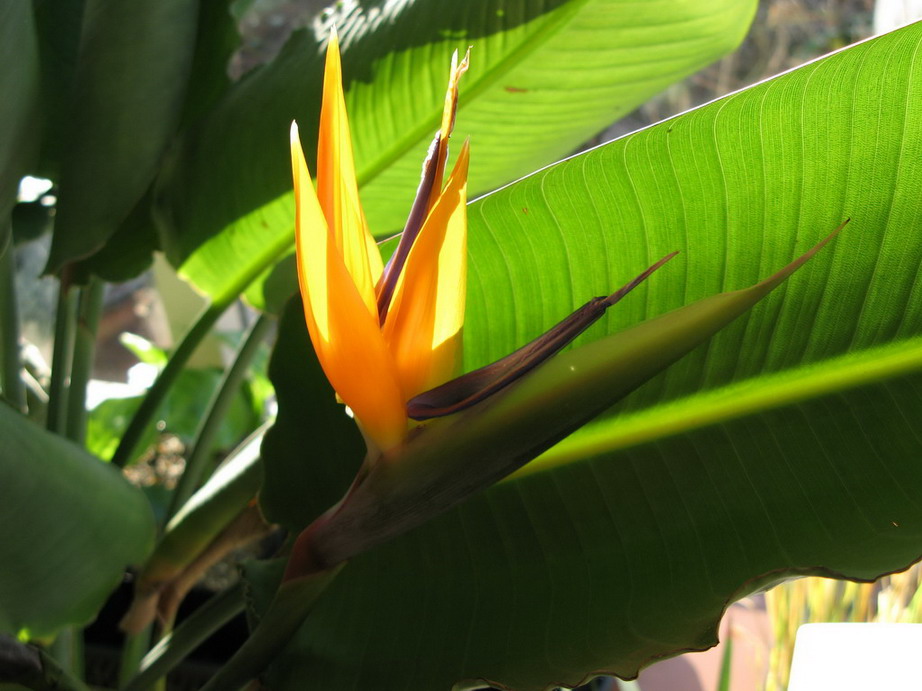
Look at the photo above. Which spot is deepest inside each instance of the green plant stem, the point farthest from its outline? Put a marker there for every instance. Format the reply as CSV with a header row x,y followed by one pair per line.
x,y
726,663
68,646
67,651
35,668
10,360
218,406
90,308
176,646
155,395
133,649
64,326
292,603
74,349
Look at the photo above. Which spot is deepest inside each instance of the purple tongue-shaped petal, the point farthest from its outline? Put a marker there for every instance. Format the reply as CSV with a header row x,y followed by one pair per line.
x,y
388,282
473,387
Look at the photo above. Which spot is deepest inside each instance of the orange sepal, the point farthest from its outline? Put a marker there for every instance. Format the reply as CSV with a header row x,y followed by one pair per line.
x,y
337,187
345,333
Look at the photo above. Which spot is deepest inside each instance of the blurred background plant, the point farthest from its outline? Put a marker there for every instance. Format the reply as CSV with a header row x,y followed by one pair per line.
x,y
894,599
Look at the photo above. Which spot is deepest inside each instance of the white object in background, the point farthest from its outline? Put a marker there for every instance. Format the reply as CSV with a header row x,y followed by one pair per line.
x,y
140,378
892,14
853,657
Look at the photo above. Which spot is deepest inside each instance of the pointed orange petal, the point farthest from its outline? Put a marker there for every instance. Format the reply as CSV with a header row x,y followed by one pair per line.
x,y
337,188
345,334
423,326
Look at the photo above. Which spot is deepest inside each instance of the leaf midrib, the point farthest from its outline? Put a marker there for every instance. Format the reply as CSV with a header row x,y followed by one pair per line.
x,y
739,399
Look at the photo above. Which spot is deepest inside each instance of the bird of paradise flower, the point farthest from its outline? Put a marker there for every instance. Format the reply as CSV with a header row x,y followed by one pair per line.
x,y
389,337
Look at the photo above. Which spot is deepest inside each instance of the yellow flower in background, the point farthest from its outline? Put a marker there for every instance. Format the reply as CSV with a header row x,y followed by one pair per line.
x,y
382,334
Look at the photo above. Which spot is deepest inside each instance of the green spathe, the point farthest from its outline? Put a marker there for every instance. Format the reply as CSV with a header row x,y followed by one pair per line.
x,y
452,458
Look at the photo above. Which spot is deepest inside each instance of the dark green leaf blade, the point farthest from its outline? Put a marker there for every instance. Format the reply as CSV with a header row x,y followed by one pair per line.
x,y
128,252
71,524
130,249
612,562
215,43
129,89
59,26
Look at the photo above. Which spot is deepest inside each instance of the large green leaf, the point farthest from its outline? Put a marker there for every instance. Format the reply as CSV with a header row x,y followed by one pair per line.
x,y
215,43
130,249
70,526
544,77
788,444
128,252
129,88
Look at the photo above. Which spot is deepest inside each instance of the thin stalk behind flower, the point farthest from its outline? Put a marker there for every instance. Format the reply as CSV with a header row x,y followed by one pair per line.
x,y
84,354
65,322
11,381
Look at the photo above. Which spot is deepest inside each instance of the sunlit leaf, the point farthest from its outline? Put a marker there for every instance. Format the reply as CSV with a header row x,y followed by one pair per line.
x,y
787,444
544,77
